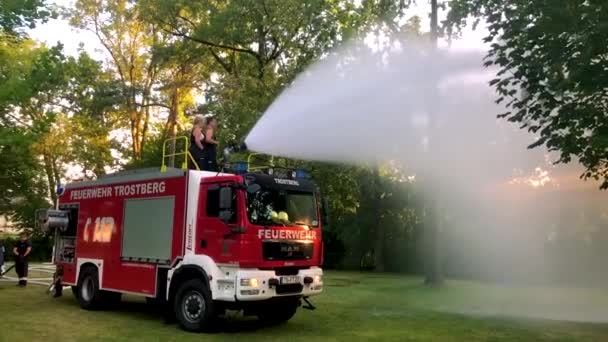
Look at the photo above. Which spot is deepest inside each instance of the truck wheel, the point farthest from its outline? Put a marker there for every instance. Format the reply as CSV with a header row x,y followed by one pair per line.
x,y
279,312
193,306
89,295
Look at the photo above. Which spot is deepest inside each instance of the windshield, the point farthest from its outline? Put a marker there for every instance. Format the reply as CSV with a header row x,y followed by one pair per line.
x,y
280,207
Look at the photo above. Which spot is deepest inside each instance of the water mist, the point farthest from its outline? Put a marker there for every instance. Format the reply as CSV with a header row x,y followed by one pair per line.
x,y
434,112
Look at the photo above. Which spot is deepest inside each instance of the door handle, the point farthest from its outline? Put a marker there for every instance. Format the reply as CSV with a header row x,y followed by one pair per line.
x,y
233,231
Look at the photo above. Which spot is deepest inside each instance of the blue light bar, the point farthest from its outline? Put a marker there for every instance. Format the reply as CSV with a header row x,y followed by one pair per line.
x,y
303,174
240,168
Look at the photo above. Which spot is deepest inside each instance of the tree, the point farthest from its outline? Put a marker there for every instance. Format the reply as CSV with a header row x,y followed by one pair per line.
x,y
555,53
24,187
258,47
184,68
18,14
128,39
432,212
47,101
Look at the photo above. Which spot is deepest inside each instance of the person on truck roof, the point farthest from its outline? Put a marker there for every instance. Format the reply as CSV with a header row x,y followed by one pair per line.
x,y
210,145
197,136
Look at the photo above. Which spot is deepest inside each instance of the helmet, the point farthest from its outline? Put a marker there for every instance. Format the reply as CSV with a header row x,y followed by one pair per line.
x,y
283,216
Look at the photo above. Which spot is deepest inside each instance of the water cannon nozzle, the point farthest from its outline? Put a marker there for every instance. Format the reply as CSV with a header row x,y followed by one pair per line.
x,y
234,147
241,147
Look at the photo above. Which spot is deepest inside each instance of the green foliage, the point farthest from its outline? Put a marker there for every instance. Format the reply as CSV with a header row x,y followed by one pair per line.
x,y
370,210
42,247
256,48
18,14
239,54
23,187
51,115
152,155
128,39
554,51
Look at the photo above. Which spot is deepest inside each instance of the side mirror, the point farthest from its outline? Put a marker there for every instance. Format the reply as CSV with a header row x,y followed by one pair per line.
x,y
325,211
225,198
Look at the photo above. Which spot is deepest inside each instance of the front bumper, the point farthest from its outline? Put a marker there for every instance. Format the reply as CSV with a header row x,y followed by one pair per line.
x,y
268,284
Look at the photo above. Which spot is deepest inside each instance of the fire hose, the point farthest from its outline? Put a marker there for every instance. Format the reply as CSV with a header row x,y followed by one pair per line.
x,y
7,270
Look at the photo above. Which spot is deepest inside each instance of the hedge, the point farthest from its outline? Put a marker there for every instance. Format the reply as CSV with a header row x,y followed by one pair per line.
x,y
42,248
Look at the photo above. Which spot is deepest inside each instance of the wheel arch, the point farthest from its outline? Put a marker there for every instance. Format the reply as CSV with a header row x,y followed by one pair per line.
x,y
183,274
97,264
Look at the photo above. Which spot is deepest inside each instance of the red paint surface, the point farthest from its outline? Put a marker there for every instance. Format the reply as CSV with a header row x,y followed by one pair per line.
x,y
244,249
223,247
117,274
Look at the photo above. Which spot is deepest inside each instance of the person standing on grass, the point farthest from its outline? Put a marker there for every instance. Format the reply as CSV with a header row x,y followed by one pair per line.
x,y
57,277
2,251
21,250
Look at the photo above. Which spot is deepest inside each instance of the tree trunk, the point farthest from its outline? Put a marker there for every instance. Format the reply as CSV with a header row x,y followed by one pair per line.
x,y
144,131
433,220
50,177
135,137
434,25
379,238
172,125
432,242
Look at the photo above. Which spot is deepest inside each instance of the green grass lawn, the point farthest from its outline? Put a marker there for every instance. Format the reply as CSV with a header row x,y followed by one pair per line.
x,y
353,307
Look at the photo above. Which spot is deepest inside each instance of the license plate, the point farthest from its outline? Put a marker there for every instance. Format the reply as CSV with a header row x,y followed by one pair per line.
x,y
290,280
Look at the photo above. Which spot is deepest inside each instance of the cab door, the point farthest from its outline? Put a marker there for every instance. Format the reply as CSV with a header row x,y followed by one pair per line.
x,y
215,230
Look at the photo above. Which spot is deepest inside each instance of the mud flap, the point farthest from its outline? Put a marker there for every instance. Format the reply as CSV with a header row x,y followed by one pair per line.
x,y
308,305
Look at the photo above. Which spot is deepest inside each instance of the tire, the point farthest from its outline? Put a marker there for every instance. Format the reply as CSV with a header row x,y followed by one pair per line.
x,y
193,306
88,293
279,312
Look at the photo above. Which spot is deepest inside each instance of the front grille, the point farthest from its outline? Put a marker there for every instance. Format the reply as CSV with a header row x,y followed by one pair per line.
x,y
286,250
289,288
287,271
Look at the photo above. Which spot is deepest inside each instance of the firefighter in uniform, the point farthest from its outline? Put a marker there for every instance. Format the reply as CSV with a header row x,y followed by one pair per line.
x,y
21,250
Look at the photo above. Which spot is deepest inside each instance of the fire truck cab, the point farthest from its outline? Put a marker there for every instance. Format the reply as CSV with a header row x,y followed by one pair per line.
x,y
197,243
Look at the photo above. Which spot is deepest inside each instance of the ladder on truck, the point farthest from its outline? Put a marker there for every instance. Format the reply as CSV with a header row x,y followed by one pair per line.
x,y
170,150
177,148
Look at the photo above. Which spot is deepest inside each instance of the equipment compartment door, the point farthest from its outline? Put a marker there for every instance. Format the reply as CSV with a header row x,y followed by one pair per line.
x,y
148,230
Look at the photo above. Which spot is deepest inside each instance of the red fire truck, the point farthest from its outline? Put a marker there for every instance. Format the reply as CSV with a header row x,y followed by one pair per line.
x,y
198,242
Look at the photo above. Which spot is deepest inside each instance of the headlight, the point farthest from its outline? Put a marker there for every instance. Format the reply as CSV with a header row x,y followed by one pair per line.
x,y
250,282
318,279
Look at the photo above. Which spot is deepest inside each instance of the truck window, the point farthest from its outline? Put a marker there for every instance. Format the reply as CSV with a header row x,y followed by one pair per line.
x,y
213,204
